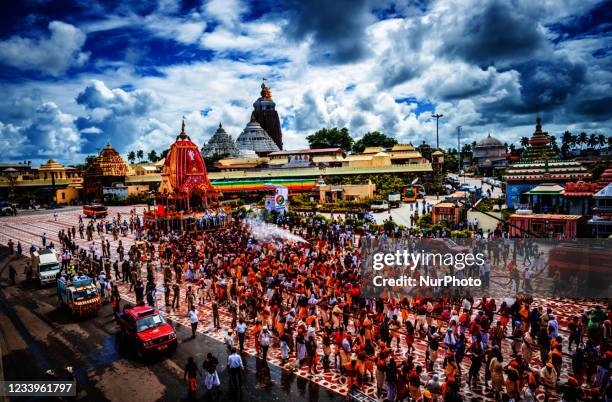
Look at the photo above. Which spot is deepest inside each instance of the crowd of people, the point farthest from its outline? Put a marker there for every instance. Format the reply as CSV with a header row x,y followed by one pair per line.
x,y
303,301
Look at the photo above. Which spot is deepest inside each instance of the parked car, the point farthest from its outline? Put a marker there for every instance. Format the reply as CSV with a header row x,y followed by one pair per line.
x,y
6,208
380,205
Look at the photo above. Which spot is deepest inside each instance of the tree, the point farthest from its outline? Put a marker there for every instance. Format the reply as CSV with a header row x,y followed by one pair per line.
x,y
567,139
583,139
602,140
374,139
132,157
140,154
164,153
593,141
524,141
331,138
553,143
153,156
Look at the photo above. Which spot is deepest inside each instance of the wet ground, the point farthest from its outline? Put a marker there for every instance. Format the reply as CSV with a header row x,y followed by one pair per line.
x,y
35,335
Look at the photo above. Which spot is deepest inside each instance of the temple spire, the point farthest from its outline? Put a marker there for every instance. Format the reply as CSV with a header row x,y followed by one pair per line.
x,y
183,135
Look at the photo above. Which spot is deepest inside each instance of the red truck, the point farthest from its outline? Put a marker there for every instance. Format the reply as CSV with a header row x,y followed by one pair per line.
x,y
146,331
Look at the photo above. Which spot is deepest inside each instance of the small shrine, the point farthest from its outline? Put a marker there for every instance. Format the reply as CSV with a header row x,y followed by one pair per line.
x,y
106,170
539,164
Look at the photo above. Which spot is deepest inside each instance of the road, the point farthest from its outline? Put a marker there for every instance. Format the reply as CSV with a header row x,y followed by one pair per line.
x,y
36,335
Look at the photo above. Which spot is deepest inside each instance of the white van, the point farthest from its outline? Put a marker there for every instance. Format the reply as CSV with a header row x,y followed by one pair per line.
x,y
380,205
45,265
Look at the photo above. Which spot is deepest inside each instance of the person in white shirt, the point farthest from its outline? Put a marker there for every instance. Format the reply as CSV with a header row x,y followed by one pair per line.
x,y
241,332
264,340
235,367
193,318
229,342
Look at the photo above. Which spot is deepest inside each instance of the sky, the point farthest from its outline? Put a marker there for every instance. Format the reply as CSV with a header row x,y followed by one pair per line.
x,y
76,74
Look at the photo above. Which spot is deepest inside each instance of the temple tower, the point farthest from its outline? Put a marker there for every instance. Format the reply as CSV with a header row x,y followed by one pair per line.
x,y
265,114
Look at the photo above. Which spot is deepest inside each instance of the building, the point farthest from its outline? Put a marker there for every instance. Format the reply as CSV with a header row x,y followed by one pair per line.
x,y
255,139
346,192
451,212
306,158
547,225
405,154
490,155
221,143
106,170
539,164
265,114
601,223
578,197
50,182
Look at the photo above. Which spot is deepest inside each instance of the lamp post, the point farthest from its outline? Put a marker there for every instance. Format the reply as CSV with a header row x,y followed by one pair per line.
x,y
437,117
459,149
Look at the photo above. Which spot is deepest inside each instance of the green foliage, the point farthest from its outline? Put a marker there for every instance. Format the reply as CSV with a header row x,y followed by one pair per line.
x,y
132,199
131,157
374,139
424,220
451,162
331,138
461,234
152,156
140,154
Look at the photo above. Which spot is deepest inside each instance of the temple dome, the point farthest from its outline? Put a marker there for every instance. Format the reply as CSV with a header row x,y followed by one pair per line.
x,y
221,143
489,141
256,139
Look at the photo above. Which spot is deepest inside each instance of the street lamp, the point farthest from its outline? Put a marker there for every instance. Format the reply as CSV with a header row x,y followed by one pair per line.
x,y
437,117
458,149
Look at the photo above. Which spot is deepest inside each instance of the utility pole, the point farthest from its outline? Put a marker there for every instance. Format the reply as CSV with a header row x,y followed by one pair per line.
x,y
437,117
458,149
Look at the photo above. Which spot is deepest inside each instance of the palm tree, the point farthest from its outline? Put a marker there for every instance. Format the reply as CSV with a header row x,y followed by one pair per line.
x,y
140,154
152,156
602,140
593,140
553,143
566,139
524,141
583,139
132,157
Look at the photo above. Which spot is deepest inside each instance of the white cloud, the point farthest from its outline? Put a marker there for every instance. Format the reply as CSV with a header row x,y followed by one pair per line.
x,y
52,55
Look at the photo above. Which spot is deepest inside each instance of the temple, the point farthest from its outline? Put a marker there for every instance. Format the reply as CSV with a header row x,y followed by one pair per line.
x,y
539,164
490,155
265,114
255,140
107,170
185,183
221,143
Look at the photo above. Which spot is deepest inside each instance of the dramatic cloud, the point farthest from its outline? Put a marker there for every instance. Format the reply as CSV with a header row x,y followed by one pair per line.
x,y
52,55
48,132
496,32
336,29
115,115
126,73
